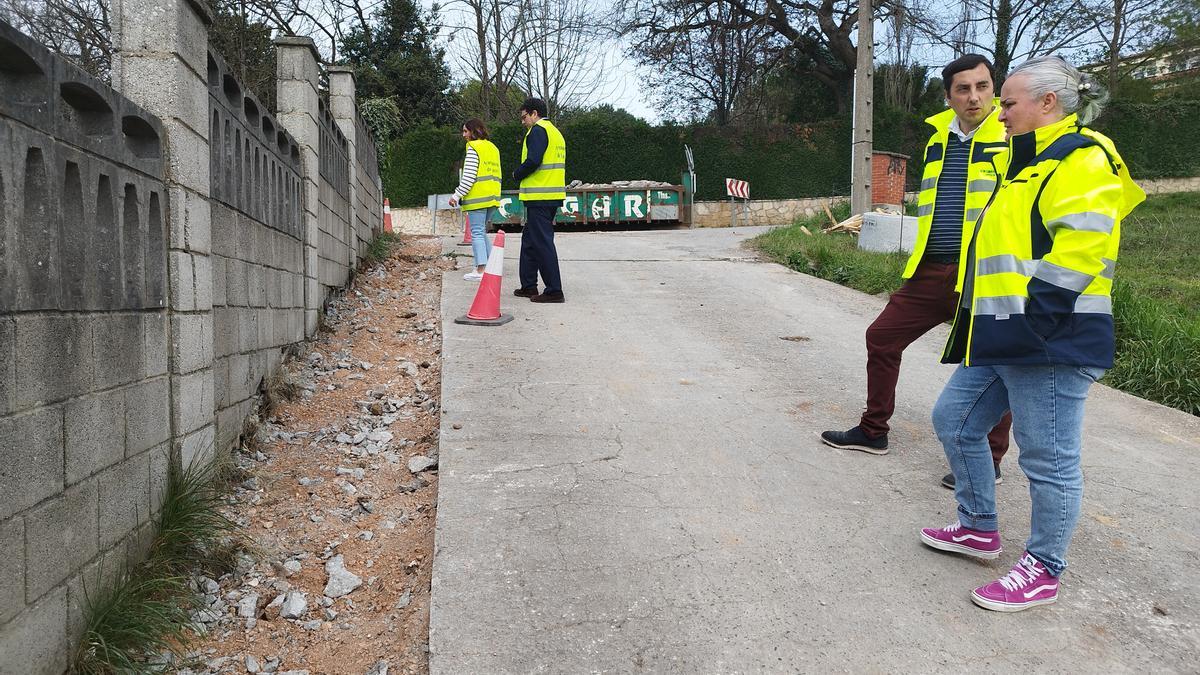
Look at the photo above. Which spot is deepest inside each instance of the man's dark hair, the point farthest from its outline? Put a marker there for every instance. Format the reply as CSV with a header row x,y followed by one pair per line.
x,y
965,62
536,105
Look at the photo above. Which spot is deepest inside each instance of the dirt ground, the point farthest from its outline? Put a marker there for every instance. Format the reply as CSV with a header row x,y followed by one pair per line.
x,y
332,474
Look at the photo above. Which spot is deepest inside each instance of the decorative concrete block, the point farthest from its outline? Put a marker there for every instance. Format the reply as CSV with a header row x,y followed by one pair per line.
x,y
60,536
202,275
12,568
237,293
95,433
154,344
160,464
115,338
8,366
124,498
34,642
226,338
191,342
192,221
218,280
54,358
887,233
32,469
183,284
197,447
147,415
188,159
193,401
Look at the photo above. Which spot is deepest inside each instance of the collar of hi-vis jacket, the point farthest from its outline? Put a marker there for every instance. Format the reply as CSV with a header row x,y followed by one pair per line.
x,y
989,127
1023,148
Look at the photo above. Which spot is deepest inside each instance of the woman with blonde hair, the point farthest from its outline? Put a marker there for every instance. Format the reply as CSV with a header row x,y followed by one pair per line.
x,y
478,191
1034,327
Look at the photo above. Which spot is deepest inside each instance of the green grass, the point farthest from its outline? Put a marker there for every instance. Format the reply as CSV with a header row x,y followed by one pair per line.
x,y
1156,300
381,247
146,610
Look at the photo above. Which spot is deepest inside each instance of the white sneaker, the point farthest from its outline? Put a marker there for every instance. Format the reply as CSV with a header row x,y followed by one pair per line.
x,y
472,276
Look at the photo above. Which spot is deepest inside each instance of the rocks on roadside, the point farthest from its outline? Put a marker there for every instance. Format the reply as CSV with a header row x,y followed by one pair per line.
x,y
341,580
419,463
294,605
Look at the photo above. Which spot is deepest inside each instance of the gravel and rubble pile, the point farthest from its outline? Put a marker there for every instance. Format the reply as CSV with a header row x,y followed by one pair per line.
x,y
340,500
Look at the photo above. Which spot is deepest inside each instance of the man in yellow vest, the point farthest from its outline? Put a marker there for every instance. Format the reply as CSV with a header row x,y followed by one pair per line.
x,y
543,176
957,182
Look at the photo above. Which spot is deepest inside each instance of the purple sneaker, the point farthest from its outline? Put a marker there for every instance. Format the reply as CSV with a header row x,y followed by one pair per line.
x,y
958,539
1029,584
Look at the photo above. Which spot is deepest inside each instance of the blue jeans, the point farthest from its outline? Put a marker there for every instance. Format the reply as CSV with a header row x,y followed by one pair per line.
x,y
481,246
1047,408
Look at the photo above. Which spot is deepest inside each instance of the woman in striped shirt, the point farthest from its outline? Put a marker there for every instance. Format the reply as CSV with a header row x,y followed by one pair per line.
x,y
478,190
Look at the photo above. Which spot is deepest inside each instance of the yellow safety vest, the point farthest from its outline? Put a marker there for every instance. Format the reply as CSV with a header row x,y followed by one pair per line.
x,y
485,192
1042,256
981,179
549,181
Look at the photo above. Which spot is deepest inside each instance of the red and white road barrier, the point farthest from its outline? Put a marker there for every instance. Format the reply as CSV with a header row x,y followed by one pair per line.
x,y
387,216
485,310
737,188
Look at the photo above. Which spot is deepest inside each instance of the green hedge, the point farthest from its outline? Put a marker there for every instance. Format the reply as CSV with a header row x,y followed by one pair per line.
x,y
810,160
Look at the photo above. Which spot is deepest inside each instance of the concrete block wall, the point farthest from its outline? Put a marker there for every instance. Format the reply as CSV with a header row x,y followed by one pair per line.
x,y
257,247
84,342
158,252
336,247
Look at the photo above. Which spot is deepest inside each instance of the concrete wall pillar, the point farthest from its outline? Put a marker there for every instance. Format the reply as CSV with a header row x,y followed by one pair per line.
x,y
160,62
343,107
297,97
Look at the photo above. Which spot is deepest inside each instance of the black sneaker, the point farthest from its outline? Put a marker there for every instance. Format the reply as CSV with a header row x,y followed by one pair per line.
x,y
526,292
948,479
856,439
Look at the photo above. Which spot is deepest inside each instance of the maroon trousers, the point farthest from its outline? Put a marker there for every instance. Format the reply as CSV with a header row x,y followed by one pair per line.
x,y
924,301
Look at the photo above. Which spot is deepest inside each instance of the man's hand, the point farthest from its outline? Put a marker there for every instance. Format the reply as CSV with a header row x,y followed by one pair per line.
x,y
453,201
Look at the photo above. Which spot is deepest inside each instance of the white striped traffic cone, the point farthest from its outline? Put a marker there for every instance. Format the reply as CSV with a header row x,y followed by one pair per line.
x,y
485,310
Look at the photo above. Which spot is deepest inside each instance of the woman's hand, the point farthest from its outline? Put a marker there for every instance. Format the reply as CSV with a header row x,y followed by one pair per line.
x,y
453,202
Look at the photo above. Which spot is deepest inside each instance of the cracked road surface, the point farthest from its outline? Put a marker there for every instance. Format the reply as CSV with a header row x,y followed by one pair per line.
x,y
636,483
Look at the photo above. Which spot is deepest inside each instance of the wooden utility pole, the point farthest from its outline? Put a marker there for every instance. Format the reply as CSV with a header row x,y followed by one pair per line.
x,y
864,108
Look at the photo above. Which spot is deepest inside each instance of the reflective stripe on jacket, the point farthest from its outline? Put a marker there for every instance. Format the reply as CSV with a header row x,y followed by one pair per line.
x,y
549,182
981,179
1044,253
485,191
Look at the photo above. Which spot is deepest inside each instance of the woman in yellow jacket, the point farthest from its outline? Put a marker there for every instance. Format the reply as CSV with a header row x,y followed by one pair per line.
x,y
1034,328
478,191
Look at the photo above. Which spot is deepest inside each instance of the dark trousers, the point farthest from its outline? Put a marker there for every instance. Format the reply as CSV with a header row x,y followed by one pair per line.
x,y
924,301
538,254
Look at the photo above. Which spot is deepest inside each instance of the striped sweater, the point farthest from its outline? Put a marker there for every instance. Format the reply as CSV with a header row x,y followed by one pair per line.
x,y
469,171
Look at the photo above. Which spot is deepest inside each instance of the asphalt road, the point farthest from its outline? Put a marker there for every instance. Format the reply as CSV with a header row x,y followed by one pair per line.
x,y
637,485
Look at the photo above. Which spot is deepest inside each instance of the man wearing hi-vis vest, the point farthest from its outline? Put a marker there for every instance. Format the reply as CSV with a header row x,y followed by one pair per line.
x,y
955,186
543,176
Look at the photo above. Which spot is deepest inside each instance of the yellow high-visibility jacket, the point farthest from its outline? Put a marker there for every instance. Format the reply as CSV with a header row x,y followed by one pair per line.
x,y
549,182
1042,257
981,179
485,191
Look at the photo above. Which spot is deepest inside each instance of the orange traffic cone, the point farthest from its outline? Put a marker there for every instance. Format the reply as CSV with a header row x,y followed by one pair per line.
x,y
485,311
466,240
387,216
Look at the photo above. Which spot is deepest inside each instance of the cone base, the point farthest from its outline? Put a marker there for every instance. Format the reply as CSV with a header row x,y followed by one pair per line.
x,y
468,321
464,243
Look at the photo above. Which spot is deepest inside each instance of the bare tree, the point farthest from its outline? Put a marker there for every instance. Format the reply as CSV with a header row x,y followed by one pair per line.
x,y
80,30
565,53
820,32
1127,28
492,52
1012,30
712,71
